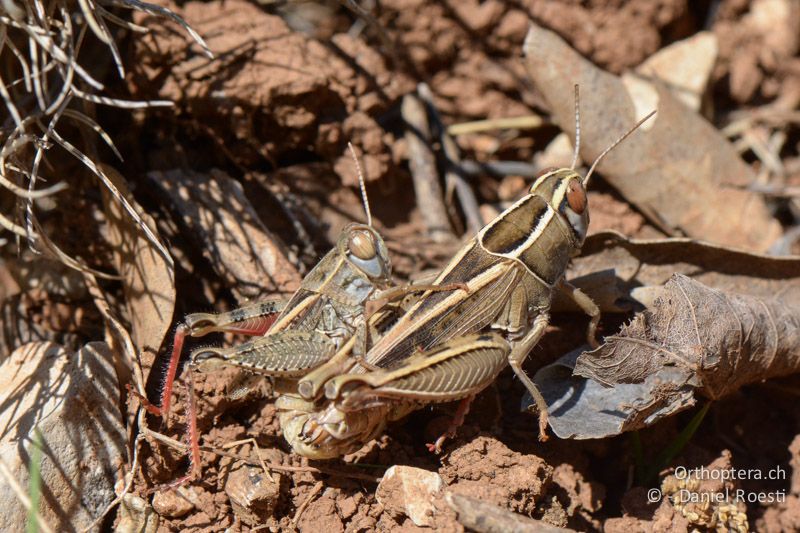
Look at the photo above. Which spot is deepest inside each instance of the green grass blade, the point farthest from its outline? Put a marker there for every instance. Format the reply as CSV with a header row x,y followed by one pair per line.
x,y
35,485
674,448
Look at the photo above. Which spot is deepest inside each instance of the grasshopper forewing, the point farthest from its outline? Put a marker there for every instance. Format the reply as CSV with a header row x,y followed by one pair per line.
x,y
435,351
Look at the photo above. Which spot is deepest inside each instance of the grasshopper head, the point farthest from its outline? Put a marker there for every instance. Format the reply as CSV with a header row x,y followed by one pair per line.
x,y
563,189
363,248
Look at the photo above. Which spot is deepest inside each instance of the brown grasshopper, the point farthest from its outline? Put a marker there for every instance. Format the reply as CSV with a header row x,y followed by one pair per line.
x,y
435,352
298,335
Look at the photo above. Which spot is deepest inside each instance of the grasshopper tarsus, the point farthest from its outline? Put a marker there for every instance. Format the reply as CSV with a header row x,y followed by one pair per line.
x,y
436,447
148,406
191,421
543,421
452,428
364,363
457,286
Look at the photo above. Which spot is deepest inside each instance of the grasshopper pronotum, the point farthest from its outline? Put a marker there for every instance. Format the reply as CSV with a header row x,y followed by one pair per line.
x,y
296,336
435,352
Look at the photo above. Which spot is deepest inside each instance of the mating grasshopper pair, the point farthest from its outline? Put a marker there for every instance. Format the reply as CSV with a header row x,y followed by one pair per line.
x,y
449,345
489,307
326,313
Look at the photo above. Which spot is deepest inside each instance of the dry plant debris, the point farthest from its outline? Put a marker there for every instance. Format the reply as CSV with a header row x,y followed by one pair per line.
x,y
224,225
147,276
701,338
715,320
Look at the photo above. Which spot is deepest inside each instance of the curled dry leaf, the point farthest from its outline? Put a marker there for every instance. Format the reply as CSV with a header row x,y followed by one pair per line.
x,y
677,169
635,272
223,223
694,339
623,275
724,340
148,278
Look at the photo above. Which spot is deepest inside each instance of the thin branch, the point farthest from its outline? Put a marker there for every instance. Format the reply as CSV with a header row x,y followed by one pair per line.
x,y
528,122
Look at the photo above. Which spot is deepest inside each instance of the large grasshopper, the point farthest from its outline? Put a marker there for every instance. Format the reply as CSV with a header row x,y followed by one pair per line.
x,y
294,337
435,352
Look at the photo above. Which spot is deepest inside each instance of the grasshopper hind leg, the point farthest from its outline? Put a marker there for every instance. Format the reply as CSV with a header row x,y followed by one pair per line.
x,y
284,354
254,319
456,370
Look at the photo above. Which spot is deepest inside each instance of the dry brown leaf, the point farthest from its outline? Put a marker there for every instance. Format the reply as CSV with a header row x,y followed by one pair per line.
x,y
148,279
725,340
694,339
621,274
250,258
638,264
677,169
72,399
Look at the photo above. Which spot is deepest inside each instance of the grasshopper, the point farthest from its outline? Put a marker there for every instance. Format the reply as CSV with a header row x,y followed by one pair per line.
x,y
296,336
450,345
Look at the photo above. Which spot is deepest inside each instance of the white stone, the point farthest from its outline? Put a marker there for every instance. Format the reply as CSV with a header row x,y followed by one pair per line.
x,y
684,67
135,515
409,491
73,399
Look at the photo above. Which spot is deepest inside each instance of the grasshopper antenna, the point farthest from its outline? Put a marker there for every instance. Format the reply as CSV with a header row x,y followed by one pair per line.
x,y
577,128
614,145
361,183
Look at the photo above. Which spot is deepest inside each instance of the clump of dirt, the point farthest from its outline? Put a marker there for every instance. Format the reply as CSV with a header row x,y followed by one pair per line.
x,y
758,45
486,469
271,100
609,213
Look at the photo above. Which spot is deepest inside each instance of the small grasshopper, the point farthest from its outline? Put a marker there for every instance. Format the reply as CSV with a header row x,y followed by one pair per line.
x,y
295,337
435,352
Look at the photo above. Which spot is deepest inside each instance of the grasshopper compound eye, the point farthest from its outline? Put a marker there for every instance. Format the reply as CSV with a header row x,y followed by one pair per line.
x,y
362,246
576,197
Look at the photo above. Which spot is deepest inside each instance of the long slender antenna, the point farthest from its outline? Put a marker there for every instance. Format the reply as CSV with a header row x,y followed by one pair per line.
x,y
614,145
577,128
361,183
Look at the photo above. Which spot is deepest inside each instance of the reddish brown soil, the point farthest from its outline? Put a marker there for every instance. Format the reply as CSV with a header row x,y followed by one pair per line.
x,y
275,110
288,96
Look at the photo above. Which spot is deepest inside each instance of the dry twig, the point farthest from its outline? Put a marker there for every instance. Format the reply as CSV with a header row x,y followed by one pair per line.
x,y
423,169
